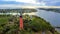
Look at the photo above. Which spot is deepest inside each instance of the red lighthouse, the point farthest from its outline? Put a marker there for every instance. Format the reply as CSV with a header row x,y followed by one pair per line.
x,y
21,21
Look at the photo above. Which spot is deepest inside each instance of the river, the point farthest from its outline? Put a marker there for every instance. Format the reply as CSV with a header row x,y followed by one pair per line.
x,y
50,16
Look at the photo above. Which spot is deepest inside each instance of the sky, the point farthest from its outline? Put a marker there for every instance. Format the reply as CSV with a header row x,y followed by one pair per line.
x,y
19,3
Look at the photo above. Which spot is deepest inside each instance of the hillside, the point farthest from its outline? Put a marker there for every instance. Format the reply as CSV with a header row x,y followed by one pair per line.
x,y
32,24
51,9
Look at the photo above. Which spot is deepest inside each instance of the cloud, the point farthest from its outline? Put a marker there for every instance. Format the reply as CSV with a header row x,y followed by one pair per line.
x,y
32,2
8,6
20,3
25,1
51,2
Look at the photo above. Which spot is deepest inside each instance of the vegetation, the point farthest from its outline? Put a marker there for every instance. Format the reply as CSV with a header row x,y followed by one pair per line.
x,y
51,9
17,10
32,24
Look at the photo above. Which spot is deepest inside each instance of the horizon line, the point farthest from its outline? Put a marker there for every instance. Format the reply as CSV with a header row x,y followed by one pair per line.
x,y
30,7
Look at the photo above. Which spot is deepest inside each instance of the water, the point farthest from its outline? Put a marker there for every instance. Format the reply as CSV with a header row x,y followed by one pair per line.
x,y
58,29
52,17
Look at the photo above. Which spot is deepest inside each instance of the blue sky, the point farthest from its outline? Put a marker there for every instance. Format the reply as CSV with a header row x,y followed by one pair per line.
x,y
16,3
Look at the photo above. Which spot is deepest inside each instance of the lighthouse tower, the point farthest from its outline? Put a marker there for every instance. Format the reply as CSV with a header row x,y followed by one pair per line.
x,y
21,21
